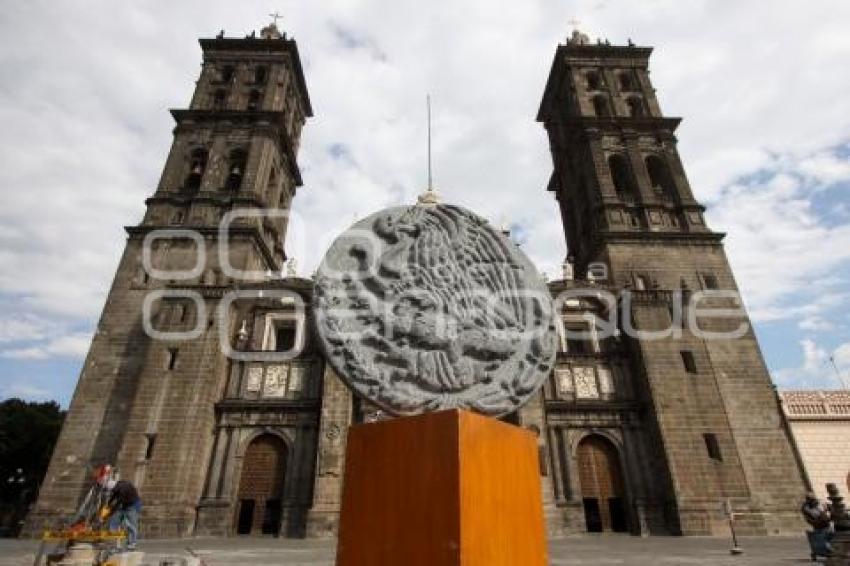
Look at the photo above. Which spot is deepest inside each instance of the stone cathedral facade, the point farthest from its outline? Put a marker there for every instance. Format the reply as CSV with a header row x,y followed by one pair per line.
x,y
644,433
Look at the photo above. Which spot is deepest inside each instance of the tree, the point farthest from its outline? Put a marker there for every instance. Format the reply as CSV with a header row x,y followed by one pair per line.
x,y
28,432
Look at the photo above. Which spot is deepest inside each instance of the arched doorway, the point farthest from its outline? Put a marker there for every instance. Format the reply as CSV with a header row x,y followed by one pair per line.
x,y
602,488
260,495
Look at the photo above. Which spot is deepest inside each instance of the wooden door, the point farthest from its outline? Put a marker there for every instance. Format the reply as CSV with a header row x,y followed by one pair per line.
x,y
601,482
260,494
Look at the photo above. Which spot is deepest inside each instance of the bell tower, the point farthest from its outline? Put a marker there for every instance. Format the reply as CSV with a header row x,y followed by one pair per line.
x,y
617,170
235,146
626,202
146,397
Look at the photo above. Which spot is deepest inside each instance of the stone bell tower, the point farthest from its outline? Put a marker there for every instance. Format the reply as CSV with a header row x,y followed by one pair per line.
x,y
626,202
145,403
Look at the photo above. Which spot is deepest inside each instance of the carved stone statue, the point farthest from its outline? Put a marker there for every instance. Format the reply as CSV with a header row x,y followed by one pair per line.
x,y
427,307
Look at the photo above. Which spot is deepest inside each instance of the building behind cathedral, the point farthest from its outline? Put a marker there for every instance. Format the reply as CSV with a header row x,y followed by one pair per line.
x,y
648,436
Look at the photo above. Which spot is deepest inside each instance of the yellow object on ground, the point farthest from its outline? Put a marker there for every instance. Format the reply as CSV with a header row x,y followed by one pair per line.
x,y
83,535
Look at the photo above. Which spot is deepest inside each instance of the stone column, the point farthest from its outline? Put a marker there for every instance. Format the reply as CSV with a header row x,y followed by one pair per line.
x,y
323,518
532,417
557,459
676,169
601,170
214,511
641,175
637,483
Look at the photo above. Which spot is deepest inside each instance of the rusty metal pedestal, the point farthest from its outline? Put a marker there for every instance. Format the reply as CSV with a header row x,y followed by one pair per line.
x,y
450,488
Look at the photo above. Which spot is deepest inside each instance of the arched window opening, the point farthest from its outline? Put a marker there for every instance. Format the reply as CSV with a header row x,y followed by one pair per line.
x,y
621,175
197,165
659,177
219,99
627,81
636,109
227,73
600,106
236,169
594,82
254,100
260,75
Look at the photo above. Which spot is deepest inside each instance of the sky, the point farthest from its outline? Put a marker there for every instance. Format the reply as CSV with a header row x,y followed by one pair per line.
x,y
762,88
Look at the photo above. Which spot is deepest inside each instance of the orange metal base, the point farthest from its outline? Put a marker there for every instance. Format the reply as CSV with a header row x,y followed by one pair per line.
x,y
441,489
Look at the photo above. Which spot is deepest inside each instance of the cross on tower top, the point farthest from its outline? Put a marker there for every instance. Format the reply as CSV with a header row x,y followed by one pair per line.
x,y
577,37
271,31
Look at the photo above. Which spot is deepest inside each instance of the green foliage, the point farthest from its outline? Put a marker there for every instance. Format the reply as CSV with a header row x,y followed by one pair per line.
x,y
28,432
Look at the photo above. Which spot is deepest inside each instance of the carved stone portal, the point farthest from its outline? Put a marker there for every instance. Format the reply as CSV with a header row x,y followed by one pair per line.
x,y
423,308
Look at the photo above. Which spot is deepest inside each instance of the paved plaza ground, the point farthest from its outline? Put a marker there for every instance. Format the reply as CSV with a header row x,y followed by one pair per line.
x,y
571,551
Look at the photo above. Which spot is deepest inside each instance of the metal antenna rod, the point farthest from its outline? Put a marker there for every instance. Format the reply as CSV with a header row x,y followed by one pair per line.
x,y
430,175
838,373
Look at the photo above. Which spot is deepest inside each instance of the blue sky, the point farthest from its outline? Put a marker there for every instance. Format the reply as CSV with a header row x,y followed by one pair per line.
x,y
765,141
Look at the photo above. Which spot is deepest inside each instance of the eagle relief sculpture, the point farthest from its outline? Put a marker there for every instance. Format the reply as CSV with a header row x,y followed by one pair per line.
x,y
427,307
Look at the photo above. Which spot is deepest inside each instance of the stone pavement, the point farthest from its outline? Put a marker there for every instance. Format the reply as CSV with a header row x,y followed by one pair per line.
x,y
572,551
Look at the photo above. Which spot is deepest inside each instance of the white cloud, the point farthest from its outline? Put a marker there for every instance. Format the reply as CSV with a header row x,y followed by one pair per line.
x,y
813,356
842,357
86,129
816,323
22,327
786,257
73,346
31,353
825,168
24,390
816,370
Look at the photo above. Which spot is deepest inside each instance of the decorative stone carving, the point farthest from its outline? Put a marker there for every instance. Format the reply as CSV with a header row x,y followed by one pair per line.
x,y
275,385
585,379
255,379
564,379
422,308
333,432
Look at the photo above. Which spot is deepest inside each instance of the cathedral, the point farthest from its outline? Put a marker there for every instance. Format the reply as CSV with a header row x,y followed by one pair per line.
x,y
655,428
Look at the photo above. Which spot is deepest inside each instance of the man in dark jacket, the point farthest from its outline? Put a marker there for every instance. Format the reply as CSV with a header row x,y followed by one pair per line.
x,y
818,516
125,503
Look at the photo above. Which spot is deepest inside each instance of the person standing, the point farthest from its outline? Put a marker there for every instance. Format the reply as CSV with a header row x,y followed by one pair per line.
x,y
818,516
126,506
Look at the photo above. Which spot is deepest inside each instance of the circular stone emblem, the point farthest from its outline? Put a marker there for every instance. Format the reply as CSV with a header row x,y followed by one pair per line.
x,y
422,308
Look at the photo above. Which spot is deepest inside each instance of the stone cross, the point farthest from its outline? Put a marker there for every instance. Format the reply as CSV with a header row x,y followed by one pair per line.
x,y
275,17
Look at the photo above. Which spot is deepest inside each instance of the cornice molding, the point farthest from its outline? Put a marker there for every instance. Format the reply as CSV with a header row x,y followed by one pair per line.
x,y
261,45
140,231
